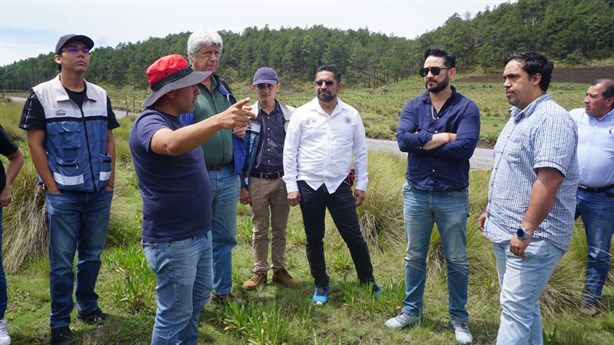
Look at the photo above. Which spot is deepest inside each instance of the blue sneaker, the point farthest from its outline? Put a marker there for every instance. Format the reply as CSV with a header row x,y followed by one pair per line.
x,y
376,291
320,295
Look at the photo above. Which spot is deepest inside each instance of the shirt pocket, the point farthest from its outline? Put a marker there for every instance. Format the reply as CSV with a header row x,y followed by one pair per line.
x,y
65,138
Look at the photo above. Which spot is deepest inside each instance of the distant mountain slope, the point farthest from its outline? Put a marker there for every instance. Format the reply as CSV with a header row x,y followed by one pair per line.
x,y
572,31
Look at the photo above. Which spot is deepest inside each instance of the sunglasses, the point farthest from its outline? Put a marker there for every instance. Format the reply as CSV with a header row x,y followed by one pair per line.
x,y
434,71
75,50
320,83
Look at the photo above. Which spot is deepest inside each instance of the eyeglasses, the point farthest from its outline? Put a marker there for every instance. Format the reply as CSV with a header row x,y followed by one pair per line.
x,y
75,50
434,71
321,83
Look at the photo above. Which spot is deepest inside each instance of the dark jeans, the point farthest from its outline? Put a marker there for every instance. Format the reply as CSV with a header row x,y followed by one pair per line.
x,y
340,204
3,289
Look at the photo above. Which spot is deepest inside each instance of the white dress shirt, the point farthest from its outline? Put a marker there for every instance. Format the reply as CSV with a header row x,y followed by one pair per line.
x,y
319,148
595,148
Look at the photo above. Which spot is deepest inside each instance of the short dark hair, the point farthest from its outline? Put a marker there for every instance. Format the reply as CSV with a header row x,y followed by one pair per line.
x,y
608,88
330,68
449,58
608,85
533,63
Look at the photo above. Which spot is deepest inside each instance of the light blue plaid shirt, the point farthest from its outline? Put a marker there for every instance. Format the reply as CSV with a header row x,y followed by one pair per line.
x,y
542,135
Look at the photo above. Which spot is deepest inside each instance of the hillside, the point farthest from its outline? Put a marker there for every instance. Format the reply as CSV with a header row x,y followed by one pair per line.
x,y
573,32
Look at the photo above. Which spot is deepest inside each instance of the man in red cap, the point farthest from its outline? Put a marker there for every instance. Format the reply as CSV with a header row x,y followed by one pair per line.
x,y
69,123
172,176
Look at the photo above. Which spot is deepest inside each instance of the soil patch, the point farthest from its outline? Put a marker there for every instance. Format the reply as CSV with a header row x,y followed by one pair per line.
x,y
584,75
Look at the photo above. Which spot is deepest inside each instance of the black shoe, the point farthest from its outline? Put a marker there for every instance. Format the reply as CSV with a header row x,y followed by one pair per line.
x,y
97,317
223,299
61,336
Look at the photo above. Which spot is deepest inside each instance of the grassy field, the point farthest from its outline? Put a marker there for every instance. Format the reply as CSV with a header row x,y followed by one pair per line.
x,y
380,108
276,315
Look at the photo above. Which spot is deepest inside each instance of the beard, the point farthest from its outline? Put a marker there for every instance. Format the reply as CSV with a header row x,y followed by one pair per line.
x,y
325,97
440,86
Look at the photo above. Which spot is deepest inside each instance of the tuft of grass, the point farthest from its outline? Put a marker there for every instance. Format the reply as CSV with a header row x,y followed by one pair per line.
x,y
264,325
135,290
25,231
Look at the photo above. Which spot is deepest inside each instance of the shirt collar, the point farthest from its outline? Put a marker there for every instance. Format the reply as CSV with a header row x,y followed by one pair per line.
x,y
518,114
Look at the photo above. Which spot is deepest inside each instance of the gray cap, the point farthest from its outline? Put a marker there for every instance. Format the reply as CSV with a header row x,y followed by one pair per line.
x,y
72,37
265,75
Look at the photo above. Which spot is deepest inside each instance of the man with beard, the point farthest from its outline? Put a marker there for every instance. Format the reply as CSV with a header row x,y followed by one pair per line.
x,y
439,130
316,165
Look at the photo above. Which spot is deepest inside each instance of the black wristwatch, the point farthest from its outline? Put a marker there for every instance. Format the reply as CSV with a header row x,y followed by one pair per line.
x,y
523,234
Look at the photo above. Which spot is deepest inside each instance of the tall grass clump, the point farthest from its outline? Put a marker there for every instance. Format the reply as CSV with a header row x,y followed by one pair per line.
x,y
25,230
264,325
381,214
135,290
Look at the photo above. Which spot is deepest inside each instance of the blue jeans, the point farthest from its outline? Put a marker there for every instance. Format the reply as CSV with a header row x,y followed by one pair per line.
x,y
225,188
184,283
78,222
449,210
3,290
597,212
522,281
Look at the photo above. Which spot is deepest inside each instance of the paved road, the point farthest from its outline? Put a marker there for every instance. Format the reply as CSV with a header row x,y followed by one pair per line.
x,y
481,159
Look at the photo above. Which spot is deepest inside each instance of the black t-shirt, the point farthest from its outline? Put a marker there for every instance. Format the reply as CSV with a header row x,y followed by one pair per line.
x,y
7,148
33,114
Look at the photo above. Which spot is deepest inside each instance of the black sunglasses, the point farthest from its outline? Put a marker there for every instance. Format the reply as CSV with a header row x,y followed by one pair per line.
x,y
433,70
328,83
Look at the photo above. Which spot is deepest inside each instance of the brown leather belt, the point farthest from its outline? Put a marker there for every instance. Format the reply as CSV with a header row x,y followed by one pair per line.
x,y
217,167
268,176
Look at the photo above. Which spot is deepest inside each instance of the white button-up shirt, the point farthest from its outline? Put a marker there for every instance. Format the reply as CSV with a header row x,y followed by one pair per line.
x,y
319,148
595,148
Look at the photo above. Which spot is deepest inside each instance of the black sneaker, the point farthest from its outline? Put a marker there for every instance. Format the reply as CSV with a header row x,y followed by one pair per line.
x,y
97,317
61,336
227,298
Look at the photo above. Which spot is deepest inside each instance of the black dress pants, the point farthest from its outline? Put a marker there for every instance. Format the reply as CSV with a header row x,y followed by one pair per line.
x,y
341,206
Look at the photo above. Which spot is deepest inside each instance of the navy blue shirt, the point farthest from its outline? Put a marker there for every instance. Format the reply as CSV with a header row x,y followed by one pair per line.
x,y
7,148
445,168
271,145
176,190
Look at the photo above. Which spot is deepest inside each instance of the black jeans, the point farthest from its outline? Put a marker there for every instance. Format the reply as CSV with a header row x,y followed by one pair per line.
x,y
340,204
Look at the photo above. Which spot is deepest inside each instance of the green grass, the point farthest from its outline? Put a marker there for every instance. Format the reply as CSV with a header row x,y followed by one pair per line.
x,y
276,315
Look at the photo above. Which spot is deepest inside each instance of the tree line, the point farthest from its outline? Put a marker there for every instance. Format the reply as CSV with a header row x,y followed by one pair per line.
x,y
572,31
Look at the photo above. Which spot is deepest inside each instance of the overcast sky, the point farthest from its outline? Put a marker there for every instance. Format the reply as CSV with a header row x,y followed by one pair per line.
x,y
32,27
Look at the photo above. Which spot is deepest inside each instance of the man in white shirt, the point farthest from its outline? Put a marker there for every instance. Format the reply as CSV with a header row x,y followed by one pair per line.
x,y
595,194
317,161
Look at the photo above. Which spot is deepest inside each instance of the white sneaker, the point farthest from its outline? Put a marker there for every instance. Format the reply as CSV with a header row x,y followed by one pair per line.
x,y
461,331
5,339
401,321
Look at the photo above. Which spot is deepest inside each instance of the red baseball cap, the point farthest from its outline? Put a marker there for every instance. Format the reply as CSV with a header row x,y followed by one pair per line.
x,y
170,73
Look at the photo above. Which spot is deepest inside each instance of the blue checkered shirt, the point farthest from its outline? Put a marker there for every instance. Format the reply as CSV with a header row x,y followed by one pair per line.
x,y
542,135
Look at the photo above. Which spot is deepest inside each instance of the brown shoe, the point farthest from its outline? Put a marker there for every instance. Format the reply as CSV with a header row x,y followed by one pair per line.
x,y
283,277
255,281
